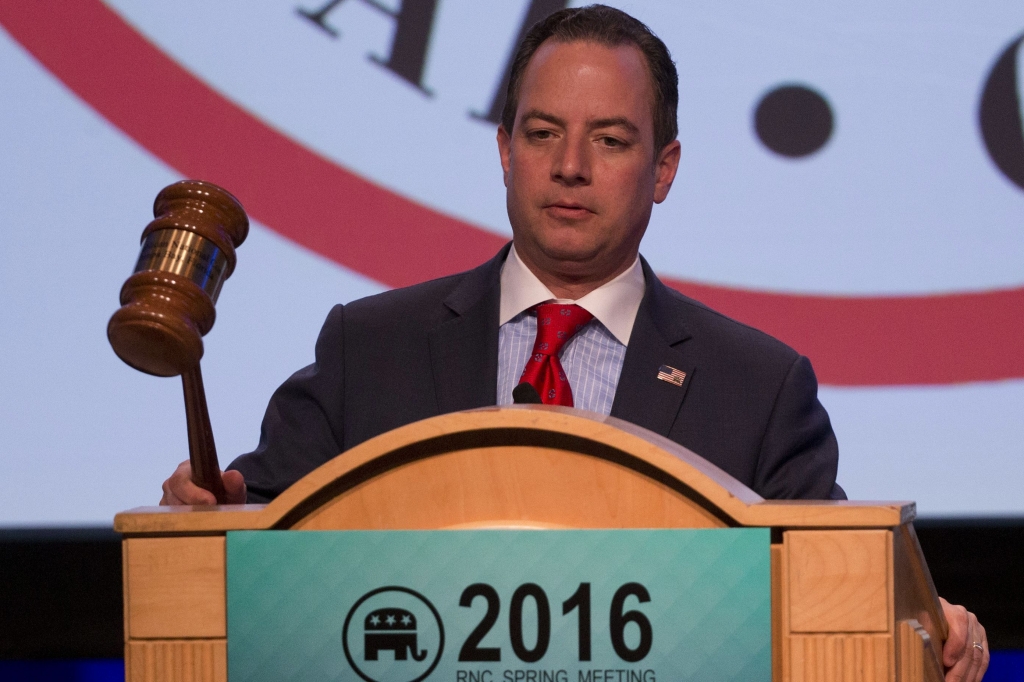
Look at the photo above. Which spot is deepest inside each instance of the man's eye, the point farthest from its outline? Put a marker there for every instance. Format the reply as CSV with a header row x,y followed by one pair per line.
x,y
611,142
539,134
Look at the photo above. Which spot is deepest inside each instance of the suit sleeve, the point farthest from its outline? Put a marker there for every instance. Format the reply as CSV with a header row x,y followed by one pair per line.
x,y
304,423
799,454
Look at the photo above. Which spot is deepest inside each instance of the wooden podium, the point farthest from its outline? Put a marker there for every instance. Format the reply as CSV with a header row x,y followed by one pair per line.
x,y
852,598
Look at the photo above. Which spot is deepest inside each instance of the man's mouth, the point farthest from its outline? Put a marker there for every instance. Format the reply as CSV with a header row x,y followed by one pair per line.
x,y
568,209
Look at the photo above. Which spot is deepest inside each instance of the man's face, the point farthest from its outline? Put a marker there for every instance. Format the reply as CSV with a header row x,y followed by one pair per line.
x,y
580,166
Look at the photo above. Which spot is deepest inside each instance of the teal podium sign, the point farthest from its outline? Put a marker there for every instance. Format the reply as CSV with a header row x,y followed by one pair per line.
x,y
499,605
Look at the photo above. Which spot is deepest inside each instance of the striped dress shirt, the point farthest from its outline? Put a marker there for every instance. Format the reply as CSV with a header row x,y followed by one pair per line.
x,y
592,359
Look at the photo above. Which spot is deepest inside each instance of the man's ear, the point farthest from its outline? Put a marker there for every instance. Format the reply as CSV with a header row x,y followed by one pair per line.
x,y
505,150
665,167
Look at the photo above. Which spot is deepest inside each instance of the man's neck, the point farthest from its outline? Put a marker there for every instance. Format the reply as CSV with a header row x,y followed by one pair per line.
x,y
565,284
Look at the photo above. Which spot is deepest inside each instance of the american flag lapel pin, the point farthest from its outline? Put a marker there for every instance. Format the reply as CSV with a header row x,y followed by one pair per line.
x,y
671,375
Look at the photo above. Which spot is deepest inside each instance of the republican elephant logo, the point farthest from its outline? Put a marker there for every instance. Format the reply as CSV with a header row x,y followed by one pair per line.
x,y
391,629
398,620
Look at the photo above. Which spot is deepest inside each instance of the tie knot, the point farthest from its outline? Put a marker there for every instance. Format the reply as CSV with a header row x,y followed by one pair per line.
x,y
556,324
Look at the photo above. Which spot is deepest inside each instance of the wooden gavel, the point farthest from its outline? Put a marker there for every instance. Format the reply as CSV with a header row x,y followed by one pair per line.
x,y
167,305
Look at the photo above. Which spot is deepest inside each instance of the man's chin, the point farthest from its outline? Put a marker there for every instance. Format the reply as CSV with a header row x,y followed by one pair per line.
x,y
571,255
577,264
568,254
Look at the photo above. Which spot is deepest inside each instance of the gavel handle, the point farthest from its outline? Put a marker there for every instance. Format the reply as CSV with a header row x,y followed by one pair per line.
x,y
202,452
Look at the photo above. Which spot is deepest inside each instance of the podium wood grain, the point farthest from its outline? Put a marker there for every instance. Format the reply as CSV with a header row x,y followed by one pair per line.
x,y
851,597
839,581
176,660
177,587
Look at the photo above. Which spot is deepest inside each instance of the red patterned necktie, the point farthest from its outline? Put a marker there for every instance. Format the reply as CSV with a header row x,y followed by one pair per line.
x,y
556,324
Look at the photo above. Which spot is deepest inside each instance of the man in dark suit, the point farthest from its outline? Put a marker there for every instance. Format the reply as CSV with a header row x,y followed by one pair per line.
x,y
584,161
588,146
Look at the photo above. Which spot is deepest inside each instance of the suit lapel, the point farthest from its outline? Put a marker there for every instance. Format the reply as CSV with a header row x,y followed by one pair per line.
x,y
657,341
464,349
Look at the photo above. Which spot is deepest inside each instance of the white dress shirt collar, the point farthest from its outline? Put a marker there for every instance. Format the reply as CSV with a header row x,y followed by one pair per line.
x,y
614,303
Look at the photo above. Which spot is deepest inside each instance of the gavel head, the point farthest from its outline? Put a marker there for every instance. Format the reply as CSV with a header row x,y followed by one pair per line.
x,y
167,305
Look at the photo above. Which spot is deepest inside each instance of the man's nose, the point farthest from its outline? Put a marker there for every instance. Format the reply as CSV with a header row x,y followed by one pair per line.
x,y
572,162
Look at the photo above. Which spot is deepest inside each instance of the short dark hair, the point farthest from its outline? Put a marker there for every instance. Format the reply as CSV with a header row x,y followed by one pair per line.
x,y
606,26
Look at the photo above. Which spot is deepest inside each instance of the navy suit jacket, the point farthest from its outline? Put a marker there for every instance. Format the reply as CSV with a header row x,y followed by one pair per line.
x,y
748,404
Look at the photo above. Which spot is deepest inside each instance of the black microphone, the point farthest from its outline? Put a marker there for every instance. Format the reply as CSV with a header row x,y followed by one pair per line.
x,y
525,394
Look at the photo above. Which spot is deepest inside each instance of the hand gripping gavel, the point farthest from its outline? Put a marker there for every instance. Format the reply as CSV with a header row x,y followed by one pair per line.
x,y
167,305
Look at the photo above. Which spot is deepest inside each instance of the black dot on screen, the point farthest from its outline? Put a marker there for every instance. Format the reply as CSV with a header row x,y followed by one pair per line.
x,y
999,114
793,120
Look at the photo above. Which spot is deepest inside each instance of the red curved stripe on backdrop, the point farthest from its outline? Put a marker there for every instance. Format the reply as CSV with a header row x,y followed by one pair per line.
x,y
322,206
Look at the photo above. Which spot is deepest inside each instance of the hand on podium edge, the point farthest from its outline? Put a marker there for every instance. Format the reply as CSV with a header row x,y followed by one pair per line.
x,y
964,661
179,488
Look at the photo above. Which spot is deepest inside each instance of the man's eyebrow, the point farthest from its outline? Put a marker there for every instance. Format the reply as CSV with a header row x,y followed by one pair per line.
x,y
617,121
543,116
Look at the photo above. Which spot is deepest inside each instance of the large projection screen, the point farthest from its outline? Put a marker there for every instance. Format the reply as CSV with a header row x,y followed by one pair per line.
x,y
852,182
